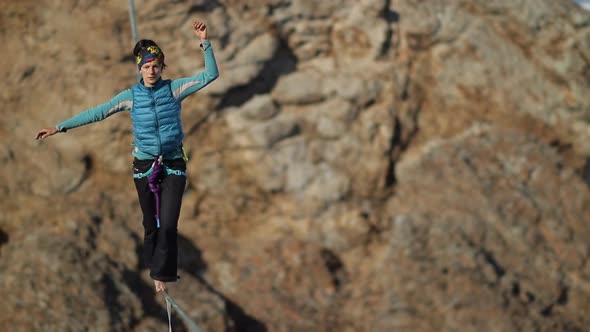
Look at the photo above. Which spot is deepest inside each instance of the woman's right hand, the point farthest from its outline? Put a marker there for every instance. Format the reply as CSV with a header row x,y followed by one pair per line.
x,y
46,132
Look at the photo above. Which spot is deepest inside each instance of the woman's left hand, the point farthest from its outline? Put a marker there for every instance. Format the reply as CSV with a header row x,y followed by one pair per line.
x,y
200,30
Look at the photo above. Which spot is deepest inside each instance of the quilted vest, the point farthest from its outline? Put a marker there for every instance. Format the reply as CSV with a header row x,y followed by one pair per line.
x,y
156,119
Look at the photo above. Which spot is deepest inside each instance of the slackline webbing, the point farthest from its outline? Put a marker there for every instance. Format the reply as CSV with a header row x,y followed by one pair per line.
x,y
192,326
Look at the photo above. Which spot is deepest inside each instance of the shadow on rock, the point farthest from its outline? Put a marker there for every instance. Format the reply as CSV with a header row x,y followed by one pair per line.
x,y
282,63
236,319
190,260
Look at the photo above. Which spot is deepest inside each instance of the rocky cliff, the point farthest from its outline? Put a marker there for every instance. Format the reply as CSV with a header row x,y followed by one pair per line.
x,y
372,165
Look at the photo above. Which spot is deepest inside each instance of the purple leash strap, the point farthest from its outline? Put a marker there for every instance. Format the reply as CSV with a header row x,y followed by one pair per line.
x,y
154,183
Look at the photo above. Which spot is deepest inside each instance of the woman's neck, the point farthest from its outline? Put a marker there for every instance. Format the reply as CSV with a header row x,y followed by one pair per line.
x,y
148,85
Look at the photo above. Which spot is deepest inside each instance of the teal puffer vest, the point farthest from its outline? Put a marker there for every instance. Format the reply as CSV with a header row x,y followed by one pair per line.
x,y
156,119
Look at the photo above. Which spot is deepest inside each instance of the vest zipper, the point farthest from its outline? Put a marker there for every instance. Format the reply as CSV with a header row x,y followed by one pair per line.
x,y
157,121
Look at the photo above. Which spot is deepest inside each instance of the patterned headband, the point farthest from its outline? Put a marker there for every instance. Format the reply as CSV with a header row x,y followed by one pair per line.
x,y
149,54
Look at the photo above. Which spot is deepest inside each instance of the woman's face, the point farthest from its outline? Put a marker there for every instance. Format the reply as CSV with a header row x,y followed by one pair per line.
x,y
151,73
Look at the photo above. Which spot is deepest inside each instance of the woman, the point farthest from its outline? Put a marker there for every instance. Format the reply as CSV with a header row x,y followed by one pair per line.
x,y
159,161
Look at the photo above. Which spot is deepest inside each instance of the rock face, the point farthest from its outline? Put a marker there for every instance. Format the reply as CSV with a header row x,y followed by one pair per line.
x,y
362,165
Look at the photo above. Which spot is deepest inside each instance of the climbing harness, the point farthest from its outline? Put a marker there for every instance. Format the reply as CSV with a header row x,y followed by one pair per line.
x,y
154,175
154,183
169,171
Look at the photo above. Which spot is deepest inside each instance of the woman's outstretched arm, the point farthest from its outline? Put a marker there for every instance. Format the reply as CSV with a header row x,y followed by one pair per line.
x,y
122,101
184,87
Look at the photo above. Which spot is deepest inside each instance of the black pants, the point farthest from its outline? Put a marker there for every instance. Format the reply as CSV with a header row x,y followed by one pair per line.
x,y
160,248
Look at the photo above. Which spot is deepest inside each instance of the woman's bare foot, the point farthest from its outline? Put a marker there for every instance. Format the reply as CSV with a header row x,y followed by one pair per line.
x,y
160,285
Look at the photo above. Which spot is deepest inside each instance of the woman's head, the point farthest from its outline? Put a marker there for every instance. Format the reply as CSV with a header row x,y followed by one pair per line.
x,y
150,61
